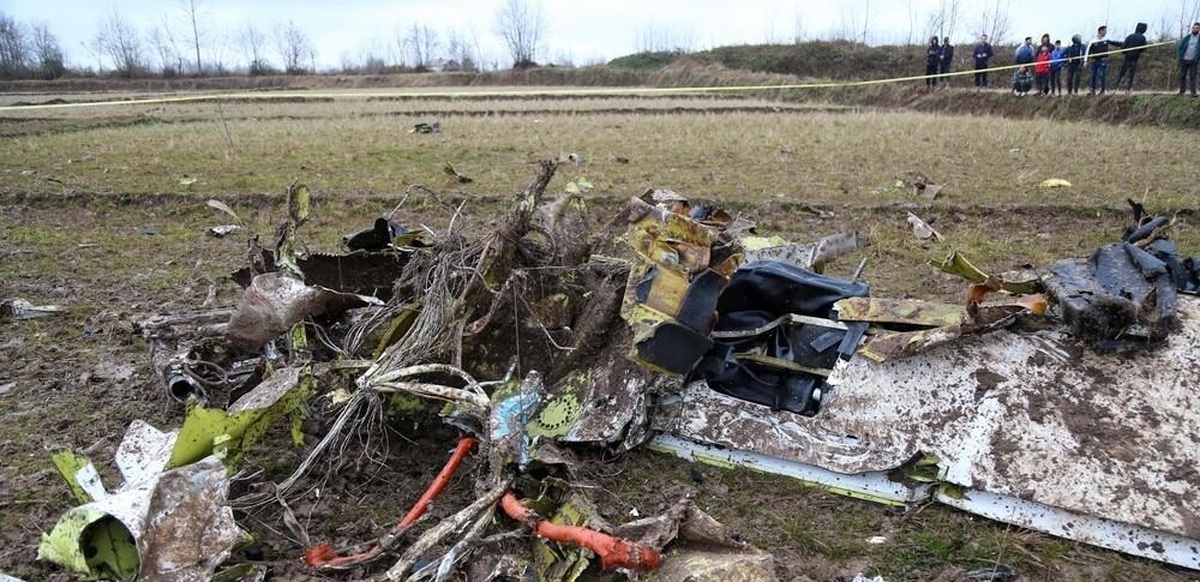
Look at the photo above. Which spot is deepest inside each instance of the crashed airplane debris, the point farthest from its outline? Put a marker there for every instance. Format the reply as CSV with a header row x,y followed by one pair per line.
x,y
711,342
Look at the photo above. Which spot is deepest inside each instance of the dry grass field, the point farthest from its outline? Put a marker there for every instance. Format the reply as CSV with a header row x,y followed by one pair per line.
x,y
102,210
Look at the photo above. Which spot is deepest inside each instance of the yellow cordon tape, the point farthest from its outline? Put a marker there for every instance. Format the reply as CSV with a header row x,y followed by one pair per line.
x,y
528,93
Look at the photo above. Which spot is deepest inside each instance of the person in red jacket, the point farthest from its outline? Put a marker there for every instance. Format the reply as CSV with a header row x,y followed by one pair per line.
x,y
1041,70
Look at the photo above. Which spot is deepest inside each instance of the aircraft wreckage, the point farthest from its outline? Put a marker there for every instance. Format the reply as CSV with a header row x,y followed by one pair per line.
x,y
1064,403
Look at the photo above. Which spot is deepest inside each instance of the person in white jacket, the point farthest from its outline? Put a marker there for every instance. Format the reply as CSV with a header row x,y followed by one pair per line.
x,y
1097,54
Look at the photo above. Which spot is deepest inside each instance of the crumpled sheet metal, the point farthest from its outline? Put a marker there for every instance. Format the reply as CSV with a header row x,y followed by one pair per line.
x,y
168,525
1037,416
276,301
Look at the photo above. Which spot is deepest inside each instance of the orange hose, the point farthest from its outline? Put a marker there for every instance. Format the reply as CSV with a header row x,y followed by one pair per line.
x,y
614,552
440,482
324,556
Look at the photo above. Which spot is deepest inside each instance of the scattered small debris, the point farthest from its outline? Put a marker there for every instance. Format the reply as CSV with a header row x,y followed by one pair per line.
x,y
223,230
997,573
223,207
434,127
148,231
187,180
6,388
17,309
449,170
921,229
1055,183
579,185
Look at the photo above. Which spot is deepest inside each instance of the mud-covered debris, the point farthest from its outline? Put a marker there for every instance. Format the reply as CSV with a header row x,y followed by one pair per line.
x,y
17,309
274,302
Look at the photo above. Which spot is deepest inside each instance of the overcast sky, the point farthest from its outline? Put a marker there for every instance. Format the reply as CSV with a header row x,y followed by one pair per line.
x,y
586,31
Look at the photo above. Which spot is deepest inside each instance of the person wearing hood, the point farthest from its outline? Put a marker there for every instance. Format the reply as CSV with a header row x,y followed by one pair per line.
x,y
1132,54
933,60
1074,55
1097,53
1188,51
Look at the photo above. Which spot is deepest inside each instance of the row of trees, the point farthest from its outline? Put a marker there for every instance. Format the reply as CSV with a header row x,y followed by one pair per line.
x,y
183,42
29,51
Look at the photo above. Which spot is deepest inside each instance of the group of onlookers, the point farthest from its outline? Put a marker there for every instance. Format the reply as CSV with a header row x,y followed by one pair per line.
x,y
1040,68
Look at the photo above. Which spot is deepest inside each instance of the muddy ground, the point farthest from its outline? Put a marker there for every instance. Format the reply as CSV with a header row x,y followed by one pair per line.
x,y
77,379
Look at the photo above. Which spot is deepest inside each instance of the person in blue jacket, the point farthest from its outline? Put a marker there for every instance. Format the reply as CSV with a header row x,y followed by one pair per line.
x,y
1057,59
1025,53
933,60
982,53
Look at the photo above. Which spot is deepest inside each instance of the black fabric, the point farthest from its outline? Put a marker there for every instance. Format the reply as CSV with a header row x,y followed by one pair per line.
x,y
759,293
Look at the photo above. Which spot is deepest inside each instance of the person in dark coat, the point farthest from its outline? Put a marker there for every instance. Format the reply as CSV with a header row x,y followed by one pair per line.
x,y
1074,55
1132,54
982,53
947,59
933,60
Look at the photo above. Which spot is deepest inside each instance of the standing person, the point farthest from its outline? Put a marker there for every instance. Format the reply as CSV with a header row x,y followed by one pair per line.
x,y
1188,52
1045,42
1097,53
1057,58
1132,54
1025,53
933,59
982,53
946,60
1041,70
1074,55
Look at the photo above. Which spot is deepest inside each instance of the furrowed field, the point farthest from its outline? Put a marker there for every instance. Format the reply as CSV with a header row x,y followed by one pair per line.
x,y
102,210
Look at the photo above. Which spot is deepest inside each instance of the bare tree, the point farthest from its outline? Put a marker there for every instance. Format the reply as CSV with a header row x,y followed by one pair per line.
x,y
866,22
521,25
458,51
944,18
254,45
119,40
421,42
295,48
14,49
47,52
192,13
162,42
994,21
